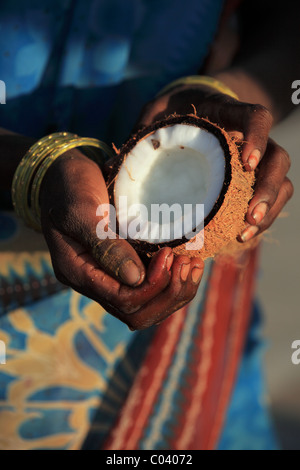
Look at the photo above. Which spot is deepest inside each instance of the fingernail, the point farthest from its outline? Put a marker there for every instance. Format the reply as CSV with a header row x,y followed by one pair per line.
x,y
259,212
249,233
254,159
185,269
129,272
196,275
169,261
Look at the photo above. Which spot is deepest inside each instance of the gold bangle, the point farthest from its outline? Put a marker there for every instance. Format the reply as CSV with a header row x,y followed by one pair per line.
x,y
200,80
26,169
32,169
50,159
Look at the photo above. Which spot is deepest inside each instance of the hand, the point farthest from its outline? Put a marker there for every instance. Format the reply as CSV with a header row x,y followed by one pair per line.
x,y
250,125
108,271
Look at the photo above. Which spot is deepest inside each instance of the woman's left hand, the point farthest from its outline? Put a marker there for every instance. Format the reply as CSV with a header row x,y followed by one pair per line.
x,y
251,125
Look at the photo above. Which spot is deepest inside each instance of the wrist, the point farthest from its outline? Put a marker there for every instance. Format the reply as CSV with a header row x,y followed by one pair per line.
x,y
73,166
247,88
36,164
199,82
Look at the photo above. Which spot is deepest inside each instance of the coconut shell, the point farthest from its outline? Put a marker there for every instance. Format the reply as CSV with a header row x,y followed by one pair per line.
x,y
226,221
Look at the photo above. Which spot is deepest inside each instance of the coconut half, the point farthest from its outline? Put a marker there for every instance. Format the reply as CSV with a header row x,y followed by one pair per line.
x,y
180,183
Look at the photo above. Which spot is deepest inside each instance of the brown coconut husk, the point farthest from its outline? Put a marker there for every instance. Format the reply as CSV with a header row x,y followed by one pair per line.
x,y
227,219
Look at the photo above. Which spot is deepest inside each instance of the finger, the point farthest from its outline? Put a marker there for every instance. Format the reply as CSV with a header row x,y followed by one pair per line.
x,y
119,259
74,266
186,276
114,255
285,193
271,174
257,125
119,298
154,110
158,277
252,120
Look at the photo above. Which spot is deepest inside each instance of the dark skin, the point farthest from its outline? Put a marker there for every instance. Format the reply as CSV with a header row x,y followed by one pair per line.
x,y
111,272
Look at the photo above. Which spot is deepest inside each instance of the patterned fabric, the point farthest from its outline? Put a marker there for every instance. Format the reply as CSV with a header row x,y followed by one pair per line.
x,y
181,393
65,378
254,428
71,368
25,275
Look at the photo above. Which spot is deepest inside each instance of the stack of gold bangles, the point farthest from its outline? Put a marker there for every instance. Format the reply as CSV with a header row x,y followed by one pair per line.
x,y
33,167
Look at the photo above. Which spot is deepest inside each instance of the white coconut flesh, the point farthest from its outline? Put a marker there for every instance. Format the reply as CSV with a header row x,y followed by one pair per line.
x,y
180,164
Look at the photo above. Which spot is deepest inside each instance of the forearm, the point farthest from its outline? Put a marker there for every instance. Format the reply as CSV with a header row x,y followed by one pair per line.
x,y
269,57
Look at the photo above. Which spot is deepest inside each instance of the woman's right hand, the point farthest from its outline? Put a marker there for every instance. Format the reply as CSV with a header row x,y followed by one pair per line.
x,y
108,271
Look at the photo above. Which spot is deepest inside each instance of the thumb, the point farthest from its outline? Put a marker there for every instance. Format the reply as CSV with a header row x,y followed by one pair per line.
x,y
115,256
119,259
